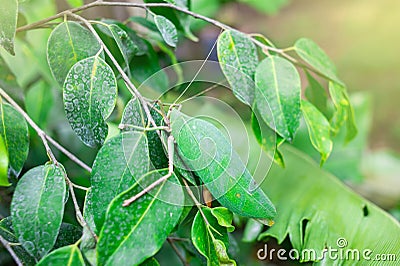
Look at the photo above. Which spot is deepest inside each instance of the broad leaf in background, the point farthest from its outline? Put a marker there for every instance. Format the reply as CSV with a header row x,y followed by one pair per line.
x,y
37,208
145,66
150,262
317,95
119,163
3,164
312,54
205,149
14,131
319,130
237,55
68,255
278,95
90,93
344,111
125,237
304,194
8,24
211,239
267,138
252,230
69,43
38,102
269,7
7,232
8,82
135,115
167,30
75,3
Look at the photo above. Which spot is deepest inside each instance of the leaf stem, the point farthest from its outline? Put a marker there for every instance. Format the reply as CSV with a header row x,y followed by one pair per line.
x,y
178,253
6,244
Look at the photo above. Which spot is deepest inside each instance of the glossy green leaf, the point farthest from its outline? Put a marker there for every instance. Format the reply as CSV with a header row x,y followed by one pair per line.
x,y
3,164
90,93
7,232
8,24
87,241
134,233
38,102
65,256
205,149
167,30
344,112
224,217
278,95
267,139
14,131
252,230
150,262
311,53
304,193
211,239
319,130
37,208
143,69
317,95
69,43
68,235
126,46
121,161
135,115
237,55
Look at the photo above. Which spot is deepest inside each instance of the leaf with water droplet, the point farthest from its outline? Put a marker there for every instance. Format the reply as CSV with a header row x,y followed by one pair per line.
x,y
14,131
238,58
7,232
124,238
312,54
69,43
8,24
3,164
37,208
65,256
319,130
118,164
90,93
67,235
167,30
278,95
210,238
205,149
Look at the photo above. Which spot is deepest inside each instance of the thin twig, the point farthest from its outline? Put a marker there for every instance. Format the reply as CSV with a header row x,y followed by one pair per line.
x,y
162,179
6,244
43,135
125,126
178,253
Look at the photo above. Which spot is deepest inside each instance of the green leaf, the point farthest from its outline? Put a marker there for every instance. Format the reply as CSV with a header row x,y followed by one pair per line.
x,y
87,241
270,7
37,208
75,3
14,131
144,67
312,54
150,262
7,232
90,93
344,111
237,55
267,139
211,239
125,237
252,230
3,164
205,149
119,163
65,256
167,30
8,24
317,95
135,115
38,102
319,130
68,235
69,43
8,82
224,217
278,95
304,193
